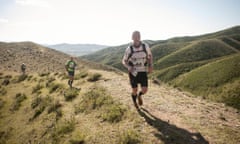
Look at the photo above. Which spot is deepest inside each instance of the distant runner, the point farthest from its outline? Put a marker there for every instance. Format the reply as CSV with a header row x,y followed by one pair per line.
x,y
138,60
70,68
23,68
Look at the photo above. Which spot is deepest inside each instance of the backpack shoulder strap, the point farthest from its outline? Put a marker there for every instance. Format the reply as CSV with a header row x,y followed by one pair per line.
x,y
144,48
131,52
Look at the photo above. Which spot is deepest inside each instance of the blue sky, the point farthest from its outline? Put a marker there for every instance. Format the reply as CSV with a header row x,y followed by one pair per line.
x,y
111,22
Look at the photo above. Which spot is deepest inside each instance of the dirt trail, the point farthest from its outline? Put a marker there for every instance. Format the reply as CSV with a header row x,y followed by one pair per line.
x,y
171,111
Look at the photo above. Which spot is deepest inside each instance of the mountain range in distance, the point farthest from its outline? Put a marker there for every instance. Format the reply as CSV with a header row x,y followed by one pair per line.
x,y
77,49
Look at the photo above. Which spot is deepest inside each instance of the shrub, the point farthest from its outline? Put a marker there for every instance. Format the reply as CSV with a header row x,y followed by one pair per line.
x,y
61,129
5,135
1,103
43,74
64,76
129,137
94,77
34,79
71,94
93,99
19,98
53,87
29,78
98,99
78,138
3,91
40,104
54,106
77,141
81,74
49,81
36,102
38,111
5,82
113,113
58,113
37,88
66,127
22,78
8,77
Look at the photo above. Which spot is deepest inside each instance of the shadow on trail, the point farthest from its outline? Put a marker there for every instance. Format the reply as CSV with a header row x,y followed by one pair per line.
x,y
170,134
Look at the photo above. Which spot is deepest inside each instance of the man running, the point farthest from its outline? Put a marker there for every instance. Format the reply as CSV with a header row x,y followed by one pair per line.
x,y
23,68
138,60
70,68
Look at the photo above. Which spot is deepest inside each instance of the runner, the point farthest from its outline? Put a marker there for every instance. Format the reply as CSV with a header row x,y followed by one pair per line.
x,y
70,68
138,60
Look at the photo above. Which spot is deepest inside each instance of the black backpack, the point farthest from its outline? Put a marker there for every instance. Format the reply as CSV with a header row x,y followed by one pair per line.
x,y
131,50
131,53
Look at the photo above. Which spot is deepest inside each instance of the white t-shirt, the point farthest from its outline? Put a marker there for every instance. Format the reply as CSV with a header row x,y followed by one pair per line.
x,y
139,57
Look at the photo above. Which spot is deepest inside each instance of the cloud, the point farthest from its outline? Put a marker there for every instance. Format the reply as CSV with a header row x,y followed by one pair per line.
x,y
37,3
3,20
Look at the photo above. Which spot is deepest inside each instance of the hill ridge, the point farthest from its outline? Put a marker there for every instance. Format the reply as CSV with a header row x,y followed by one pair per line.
x,y
231,47
38,58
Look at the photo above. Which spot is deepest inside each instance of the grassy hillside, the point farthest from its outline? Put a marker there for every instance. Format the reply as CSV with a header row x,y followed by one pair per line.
x,y
173,72
112,58
232,41
161,50
177,50
178,56
218,80
38,58
197,51
226,32
42,109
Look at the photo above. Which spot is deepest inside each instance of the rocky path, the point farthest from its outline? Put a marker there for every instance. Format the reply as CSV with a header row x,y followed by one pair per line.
x,y
178,116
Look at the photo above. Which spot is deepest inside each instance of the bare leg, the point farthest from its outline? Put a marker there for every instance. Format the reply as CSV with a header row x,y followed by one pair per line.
x,y
134,96
142,92
70,81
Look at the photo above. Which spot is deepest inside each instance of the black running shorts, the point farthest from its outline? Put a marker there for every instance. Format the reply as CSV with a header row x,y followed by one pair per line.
x,y
141,79
70,73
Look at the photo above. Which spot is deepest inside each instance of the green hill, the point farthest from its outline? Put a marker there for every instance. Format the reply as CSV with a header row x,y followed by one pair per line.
x,y
196,51
111,56
218,80
171,73
178,56
177,50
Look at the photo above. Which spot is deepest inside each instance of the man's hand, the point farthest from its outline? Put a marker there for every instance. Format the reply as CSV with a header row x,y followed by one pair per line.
x,y
130,69
150,69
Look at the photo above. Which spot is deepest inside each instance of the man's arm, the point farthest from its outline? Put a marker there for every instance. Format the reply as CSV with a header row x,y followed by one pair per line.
x,y
75,65
125,60
66,66
149,59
